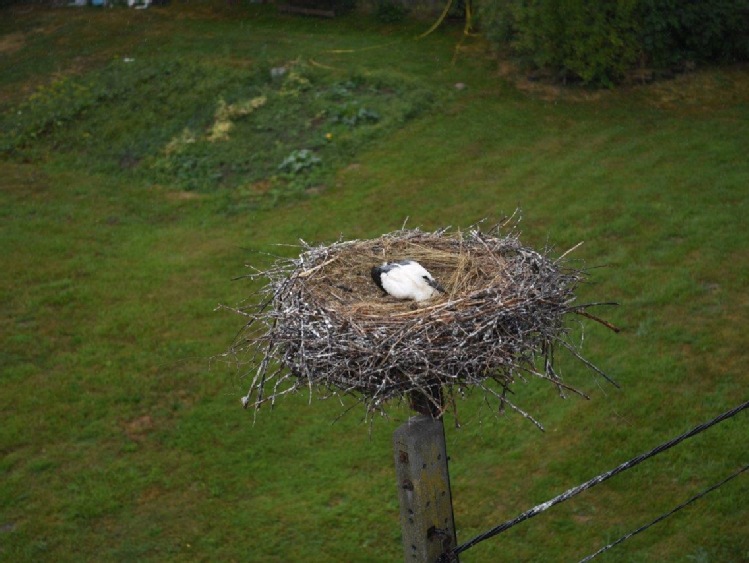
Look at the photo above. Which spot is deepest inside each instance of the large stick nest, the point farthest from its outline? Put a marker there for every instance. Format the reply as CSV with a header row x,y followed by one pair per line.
x,y
324,324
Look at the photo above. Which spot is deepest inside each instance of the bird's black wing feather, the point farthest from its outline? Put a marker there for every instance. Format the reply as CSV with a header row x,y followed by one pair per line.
x,y
377,276
434,283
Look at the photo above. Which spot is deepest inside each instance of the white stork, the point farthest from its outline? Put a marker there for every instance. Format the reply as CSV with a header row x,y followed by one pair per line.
x,y
406,279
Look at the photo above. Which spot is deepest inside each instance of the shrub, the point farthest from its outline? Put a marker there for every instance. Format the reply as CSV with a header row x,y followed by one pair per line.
x,y
591,41
674,31
598,42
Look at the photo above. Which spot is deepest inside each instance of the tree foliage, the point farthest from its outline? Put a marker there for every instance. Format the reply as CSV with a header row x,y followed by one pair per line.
x,y
598,42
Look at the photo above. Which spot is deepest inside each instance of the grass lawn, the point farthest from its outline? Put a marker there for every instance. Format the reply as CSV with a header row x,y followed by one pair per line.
x,y
146,157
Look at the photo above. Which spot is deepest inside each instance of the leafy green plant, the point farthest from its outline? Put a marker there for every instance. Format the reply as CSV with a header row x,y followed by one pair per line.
x,y
353,115
299,161
295,84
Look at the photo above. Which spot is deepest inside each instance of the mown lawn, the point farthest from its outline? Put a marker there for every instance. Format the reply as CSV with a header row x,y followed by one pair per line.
x,y
124,224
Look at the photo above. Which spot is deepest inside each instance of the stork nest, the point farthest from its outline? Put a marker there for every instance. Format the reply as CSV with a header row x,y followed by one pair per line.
x,y
323,324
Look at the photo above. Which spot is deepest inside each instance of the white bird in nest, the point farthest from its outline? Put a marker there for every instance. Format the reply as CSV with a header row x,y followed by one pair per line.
x,y
406,279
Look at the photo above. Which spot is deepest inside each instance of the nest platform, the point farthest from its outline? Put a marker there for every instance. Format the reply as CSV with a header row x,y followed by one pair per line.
x,y
323,323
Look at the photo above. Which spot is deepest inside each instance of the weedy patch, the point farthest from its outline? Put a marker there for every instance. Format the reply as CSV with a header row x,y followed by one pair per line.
x,y
290,126
227,114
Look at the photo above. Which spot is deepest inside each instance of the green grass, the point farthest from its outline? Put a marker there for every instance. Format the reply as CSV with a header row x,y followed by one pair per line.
x,y
121,440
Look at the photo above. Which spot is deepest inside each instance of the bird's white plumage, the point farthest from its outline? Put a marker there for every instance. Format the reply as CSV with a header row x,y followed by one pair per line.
x,y
406,280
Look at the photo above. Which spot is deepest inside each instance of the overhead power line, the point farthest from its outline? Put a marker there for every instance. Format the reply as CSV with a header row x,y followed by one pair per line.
x,y
574,491
666,515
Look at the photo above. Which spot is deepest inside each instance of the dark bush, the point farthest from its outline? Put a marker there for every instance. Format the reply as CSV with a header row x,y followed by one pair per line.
x,y
675,31
591,41
390,11
598,42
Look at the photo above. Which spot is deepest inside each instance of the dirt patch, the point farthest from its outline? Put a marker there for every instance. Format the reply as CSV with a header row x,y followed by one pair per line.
x,y
23,181
137,428
12,42
260,187
707,89
150,494
182,196
544,88
697,89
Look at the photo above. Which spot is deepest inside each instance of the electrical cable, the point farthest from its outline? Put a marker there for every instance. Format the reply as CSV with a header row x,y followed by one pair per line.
x,y
538,509
666,515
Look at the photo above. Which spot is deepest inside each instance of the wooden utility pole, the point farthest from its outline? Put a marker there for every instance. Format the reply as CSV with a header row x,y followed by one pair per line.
x,y
426,507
